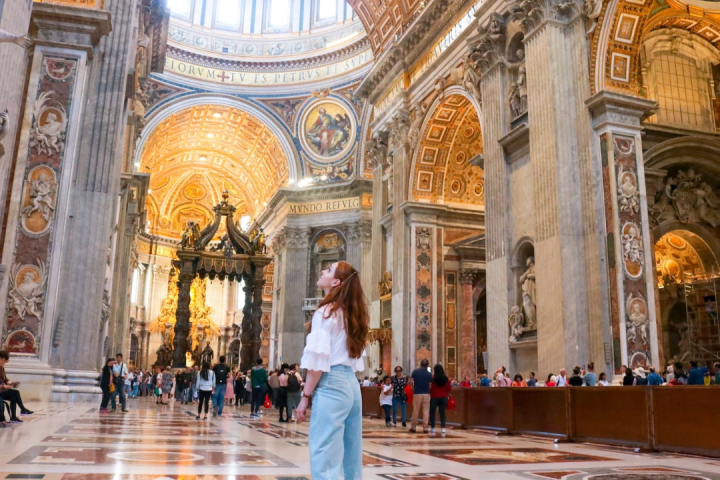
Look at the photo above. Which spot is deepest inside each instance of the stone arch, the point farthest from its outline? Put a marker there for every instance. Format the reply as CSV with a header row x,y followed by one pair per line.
x,y
166,111
450,136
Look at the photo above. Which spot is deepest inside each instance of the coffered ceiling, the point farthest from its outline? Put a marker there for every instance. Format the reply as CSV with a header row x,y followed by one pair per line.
x,y
197,153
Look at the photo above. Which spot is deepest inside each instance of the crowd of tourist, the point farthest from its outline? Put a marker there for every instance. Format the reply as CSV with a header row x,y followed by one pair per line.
x,y
219,385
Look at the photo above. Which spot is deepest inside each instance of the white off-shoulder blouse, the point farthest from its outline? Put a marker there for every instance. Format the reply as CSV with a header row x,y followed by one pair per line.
x,y
327,344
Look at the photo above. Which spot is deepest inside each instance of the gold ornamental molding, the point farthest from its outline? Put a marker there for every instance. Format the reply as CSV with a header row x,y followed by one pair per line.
x,y
381,335
92,4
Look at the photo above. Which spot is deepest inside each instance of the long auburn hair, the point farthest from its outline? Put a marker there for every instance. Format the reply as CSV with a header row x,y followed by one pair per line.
x,y
348,297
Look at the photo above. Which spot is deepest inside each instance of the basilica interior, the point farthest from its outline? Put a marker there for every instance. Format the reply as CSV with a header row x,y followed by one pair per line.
x,y
525,185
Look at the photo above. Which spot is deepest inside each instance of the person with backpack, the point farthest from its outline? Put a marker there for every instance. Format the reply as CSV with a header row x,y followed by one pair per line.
x,y
221,375
294,390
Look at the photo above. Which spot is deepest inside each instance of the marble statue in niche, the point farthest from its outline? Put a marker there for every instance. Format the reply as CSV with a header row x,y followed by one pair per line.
x,y
515,100
389,176
416,120
529,294
593,8
516,320
27,290
208,354
50,122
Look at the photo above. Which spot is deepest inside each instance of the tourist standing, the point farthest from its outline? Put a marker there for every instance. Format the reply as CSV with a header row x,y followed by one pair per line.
x,y
120,371
602,380
551,381
205,387
576,380
670,375
420,379
167,385
239,389
640,378
629,379
653,378
680,377
716,366
185,385
334,352
590,378
294,394
466,383
518,381
281,396
386,398
532,381
695,376
440,389
561,379
273,386
399,382
248,388
221,375
259,379
105,384
484,380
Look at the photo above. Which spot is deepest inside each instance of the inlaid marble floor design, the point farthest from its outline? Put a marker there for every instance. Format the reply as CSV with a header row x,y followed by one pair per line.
x,y
73,442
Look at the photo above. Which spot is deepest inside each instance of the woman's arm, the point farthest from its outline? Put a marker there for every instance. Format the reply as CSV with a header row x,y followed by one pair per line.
x,y
313,377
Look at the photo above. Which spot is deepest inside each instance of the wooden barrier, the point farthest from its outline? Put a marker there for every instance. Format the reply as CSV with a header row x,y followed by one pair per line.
x,y
677,419
611,415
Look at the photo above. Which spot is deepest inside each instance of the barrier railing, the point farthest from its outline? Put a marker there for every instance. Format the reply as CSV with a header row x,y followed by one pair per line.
x,y
677,419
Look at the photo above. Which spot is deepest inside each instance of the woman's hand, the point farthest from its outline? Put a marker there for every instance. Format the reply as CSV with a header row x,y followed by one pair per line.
x,y
300,410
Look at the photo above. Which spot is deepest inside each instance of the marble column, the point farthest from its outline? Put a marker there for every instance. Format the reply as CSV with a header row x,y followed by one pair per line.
x,y
376,150
294,285
468,335
399,161
629,273
59,246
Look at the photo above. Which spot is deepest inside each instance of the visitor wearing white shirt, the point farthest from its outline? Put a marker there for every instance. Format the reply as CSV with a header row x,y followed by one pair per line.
x,y
562,379
334,352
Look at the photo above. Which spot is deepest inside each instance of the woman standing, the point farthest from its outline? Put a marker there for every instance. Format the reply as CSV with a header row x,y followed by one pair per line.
x,y
105,384
602,380
281,396
239,389
439,391
205,387
399,382
230,390
167,384
333,353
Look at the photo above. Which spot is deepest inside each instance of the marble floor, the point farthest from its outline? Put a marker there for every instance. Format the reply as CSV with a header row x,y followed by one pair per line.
x,y
66,441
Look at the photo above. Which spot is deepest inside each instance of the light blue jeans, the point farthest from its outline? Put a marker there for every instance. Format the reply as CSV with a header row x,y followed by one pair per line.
x,y
336,427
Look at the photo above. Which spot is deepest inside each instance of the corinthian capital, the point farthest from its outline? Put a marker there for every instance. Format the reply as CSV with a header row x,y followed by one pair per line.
x,y
399,127
488,47
297,237
532,13
467,275
376,149
277,243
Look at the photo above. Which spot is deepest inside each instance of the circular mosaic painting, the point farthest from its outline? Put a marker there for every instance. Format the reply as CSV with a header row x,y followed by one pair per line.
x,y
327,130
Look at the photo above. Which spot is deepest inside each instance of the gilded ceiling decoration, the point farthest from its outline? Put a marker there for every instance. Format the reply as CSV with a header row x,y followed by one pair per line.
x,y
615,51
442,172
384,19
676,260
196,154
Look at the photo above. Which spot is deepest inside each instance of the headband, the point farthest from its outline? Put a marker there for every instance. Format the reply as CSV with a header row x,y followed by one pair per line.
x,y
349,277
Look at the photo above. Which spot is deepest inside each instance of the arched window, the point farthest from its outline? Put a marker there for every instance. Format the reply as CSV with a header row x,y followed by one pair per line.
x,y
326,9
228,13
180,8
135,286
279,12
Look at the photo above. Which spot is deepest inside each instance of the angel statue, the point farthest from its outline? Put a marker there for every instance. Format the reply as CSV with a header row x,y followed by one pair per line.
x,y
27,297
191,236
42,190
516,321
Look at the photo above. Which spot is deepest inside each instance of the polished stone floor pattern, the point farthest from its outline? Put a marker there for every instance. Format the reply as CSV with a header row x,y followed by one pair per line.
x,y
73,442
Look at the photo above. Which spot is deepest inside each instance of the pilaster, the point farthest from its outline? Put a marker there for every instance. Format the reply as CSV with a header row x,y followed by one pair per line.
x,y
294,284
41,217
628,271
468,334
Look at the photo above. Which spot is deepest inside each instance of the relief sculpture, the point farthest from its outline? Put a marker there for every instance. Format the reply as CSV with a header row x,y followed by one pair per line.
x,y
687,198
27,290
50,122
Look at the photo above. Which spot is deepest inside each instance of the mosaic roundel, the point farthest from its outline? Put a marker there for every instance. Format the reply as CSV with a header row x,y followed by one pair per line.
x,y
327,130
194,192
